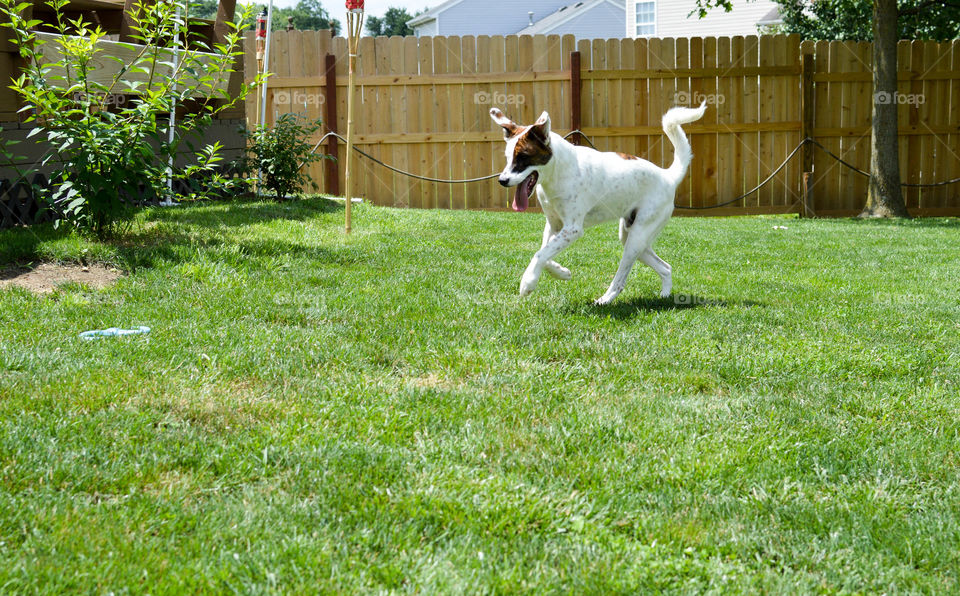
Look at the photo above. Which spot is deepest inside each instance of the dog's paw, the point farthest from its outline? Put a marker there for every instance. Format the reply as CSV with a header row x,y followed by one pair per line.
x,y
559,271
666,288
604,300
527,285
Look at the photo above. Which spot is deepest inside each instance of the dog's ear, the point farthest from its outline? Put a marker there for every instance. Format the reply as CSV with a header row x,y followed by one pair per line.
x,y
542,127
510,127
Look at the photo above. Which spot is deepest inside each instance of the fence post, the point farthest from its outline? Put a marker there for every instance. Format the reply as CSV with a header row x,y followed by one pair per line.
x,y
128,21
226,10
807,121
332,168
576,87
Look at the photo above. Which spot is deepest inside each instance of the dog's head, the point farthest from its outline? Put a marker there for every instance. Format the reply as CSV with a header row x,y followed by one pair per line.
x,y
528,150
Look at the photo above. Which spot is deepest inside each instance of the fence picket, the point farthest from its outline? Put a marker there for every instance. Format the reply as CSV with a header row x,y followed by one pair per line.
x,y
708,145
411,122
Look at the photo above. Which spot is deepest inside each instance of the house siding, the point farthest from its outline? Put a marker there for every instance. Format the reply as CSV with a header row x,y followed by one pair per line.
x,y
480,17
426,29
672,19
602,21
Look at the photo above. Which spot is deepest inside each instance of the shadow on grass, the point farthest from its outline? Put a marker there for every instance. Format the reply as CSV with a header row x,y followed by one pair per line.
x,y
630,308
919,222
18,245
154,249
272,248
8,272
151,237
237,213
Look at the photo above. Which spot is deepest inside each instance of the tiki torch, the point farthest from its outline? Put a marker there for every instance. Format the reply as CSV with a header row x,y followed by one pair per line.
x,y
354,27
264,23
261,39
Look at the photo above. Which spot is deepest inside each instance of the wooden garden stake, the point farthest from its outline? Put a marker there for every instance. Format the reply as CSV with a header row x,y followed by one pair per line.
x,y
354,26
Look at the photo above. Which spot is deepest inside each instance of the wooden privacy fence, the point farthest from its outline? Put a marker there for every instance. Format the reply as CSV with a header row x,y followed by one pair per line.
x,y
423,107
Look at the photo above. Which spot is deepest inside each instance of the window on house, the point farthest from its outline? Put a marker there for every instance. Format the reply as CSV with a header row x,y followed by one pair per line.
x,y
646,18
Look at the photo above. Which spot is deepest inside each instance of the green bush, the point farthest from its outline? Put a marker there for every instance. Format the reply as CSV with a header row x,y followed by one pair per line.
x,y
278,155
111,151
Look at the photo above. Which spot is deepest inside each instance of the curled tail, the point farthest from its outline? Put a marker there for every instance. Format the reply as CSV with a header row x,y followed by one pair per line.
x,y
681,147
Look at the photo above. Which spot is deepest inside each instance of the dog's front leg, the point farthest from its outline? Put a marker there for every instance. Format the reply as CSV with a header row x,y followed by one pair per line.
x,y
560,241
552,267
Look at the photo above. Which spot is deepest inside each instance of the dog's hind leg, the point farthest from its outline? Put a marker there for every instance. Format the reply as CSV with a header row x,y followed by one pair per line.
x,y
640,234
632,249
662,268
552,267
625,223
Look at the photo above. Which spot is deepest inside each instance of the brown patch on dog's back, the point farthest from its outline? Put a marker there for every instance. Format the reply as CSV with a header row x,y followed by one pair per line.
x,y
626,156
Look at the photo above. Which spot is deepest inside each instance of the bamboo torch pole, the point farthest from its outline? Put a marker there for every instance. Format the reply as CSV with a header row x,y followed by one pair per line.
x,y
261,41
265,71
266,63
354,27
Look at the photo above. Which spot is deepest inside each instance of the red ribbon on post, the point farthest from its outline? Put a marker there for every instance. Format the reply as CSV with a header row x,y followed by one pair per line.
x,y
262,25
354,4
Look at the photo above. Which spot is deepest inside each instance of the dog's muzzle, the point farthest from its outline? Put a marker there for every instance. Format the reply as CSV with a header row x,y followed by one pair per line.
x,y
503,181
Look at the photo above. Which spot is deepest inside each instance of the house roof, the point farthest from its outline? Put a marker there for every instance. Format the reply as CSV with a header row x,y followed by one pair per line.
x,y
771,18
431,14
564,14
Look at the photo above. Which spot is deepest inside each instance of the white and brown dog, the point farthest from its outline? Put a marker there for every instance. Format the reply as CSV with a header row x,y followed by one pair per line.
x,y
579,187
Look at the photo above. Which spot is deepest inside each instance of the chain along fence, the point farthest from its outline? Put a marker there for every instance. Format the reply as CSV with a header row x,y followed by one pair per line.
x,y
423,103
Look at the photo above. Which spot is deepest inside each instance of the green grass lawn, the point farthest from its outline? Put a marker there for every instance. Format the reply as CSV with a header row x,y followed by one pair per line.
x,y
382,413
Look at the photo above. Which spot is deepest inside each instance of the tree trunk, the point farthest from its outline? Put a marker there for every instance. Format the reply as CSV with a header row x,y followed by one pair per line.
x,y
884,197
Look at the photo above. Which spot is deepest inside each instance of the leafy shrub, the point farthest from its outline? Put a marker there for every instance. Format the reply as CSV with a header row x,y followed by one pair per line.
x,y
109,150
279,154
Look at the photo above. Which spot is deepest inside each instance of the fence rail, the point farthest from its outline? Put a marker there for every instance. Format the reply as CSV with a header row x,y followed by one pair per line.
x,y
422,106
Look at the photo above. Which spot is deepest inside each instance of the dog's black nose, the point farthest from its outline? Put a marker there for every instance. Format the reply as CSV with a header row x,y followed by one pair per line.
x,y
503,181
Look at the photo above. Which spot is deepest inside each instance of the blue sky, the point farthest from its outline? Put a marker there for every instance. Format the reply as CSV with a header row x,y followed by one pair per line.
x,y
337,9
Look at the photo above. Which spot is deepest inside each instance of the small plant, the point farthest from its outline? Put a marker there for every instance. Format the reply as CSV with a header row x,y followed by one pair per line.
x,y
279,155
111,151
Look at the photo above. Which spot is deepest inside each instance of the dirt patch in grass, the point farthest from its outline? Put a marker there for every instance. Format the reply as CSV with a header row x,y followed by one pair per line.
x,y
46,277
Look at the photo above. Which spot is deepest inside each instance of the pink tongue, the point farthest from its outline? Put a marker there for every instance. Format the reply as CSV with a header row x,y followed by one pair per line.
x,y
522,196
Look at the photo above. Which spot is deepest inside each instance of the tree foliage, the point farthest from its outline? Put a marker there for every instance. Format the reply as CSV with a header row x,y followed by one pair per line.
x,y
308,15
393,22
105,119
279,154
204,9
852,19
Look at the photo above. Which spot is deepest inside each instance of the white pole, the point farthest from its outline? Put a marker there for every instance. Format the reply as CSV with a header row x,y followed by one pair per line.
x,y
172,125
